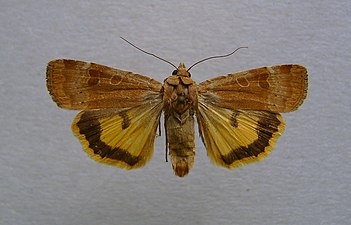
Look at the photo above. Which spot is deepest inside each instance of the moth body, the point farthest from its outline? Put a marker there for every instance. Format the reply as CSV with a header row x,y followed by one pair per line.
x,y
180,102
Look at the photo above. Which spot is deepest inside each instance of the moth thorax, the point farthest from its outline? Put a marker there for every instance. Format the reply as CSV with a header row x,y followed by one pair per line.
x,y
183,96
181,99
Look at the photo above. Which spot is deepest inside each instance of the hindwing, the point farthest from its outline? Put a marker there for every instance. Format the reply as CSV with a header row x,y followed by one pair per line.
x,y
236,137
120,137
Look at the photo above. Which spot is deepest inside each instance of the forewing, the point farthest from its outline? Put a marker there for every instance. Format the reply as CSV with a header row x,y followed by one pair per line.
x,y
277,88
123,138
236,137
82,85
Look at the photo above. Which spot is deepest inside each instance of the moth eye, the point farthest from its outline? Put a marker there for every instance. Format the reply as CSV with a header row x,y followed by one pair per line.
x,y
174,72
189,74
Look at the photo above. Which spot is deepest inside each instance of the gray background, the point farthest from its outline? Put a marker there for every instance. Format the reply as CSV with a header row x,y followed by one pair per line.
x,y
45,177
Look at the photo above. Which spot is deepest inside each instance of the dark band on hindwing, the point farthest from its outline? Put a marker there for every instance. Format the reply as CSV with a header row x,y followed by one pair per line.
x,y
91,129
267,128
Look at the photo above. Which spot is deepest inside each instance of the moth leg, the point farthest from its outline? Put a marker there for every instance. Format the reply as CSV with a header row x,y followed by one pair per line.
x,y
159,128
166,153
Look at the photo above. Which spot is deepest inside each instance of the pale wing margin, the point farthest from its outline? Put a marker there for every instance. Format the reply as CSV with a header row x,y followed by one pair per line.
x,y
120,137
237,137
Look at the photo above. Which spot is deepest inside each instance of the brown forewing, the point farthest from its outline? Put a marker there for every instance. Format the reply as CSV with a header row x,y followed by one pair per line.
x,y
279,88
82,85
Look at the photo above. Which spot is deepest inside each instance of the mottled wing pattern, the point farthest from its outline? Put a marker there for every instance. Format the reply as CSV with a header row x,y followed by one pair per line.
x,y
82,85
279,88
120,137
236,137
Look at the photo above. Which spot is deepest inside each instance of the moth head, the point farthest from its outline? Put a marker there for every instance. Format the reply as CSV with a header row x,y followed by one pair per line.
x,y
181,71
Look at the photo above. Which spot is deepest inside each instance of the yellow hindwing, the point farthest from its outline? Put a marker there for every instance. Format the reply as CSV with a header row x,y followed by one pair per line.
x,y
236,137
120,137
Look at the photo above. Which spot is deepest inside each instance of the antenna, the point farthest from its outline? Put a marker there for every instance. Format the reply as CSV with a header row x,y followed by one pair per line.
x,y
215,57
148,52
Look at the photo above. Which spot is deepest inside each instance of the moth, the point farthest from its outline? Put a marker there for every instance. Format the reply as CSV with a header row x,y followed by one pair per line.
x,y
238,114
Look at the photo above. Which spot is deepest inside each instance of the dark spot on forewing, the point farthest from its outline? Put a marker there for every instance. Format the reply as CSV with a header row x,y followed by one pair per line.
x,y
262,81
285,69
70,64
94,77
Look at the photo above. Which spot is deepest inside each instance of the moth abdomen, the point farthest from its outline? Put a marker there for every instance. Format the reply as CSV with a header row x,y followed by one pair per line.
x,y
181,144
182,160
